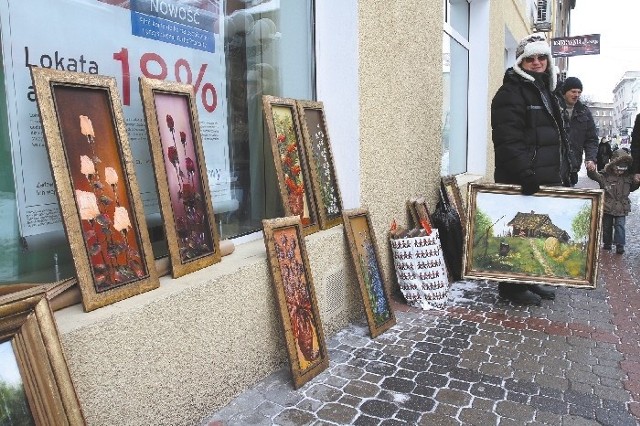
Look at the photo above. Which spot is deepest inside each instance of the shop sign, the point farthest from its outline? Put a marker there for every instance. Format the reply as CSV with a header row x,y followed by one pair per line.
x,y
575,46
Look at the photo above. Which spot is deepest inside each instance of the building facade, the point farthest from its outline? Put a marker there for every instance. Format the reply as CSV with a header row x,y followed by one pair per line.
x,y
626,96
603,117
385,71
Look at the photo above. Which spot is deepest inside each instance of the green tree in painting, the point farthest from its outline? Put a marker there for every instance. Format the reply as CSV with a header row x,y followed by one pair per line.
x,y
13,406
582,224
484,224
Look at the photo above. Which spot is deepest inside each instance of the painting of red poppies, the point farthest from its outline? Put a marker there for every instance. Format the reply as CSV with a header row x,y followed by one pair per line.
x,y
365,256
296,298
290,159
181,176
95,181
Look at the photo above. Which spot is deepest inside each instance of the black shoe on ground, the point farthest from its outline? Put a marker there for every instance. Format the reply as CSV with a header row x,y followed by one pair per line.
x,y
527,298
518,294
620,249
607,246
543,292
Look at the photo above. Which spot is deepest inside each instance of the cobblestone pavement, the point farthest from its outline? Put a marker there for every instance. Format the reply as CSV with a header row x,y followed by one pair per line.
x,y
481,361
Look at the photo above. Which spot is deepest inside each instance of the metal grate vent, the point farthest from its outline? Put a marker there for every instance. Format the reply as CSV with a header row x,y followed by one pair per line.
x,y
335,292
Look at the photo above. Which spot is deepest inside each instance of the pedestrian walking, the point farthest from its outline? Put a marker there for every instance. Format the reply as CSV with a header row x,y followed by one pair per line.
x,y
604,154
529,140
582,129
618,181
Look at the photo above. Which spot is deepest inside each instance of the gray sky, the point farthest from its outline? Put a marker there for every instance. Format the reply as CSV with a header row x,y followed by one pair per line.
x,y
618,23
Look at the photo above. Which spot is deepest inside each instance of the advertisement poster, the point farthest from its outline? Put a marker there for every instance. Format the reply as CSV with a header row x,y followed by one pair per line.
x,y
172,40
575,46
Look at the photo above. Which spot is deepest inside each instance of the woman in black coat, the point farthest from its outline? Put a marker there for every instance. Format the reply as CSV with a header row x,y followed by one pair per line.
x,y
604,154
530,143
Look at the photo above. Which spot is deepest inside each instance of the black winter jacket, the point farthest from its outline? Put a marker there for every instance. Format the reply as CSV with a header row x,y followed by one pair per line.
x,y
635,145
582,134
528,133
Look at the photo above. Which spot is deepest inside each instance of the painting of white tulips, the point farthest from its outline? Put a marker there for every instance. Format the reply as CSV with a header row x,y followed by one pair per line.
x,y
95,181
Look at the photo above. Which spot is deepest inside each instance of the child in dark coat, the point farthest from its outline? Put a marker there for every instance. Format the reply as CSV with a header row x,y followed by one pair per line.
x,y
618,181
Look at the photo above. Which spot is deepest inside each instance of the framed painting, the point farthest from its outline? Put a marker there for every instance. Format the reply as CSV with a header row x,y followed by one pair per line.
x,y
551,237
413,214
296,298
292,167
321,166
35,383
422,211
181,175
96,185
454,196
366,261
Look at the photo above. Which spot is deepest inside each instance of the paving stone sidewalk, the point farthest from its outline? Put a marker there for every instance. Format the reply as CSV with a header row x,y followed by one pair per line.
x,y
481,361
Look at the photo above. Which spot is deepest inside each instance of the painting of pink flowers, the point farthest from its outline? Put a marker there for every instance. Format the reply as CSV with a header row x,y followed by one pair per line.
x,y
95,181
180,172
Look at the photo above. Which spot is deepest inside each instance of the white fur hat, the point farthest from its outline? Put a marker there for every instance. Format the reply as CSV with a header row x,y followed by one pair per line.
x,y
535,44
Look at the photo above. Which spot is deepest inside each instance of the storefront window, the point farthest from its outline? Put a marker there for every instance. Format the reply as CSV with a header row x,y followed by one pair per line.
x,y
455,75
231,51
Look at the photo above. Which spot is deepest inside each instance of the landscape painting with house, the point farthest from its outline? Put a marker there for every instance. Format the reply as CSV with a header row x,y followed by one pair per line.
x,y
531,236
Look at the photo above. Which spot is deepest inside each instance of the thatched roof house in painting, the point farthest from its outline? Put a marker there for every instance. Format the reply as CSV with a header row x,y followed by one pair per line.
x,y
536,226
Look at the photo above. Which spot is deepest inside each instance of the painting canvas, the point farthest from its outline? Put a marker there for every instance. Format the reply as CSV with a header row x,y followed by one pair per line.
x,y
454,196
292,168
295,293
96,185
551,237
35,385
422,211
366,260
321,166
181,175
413,214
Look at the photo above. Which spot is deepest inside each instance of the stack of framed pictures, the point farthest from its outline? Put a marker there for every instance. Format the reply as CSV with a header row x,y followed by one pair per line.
x,y
37,386
304,161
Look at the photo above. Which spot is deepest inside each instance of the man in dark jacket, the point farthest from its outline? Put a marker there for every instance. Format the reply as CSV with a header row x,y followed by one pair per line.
x,y
635,145
530,144
582,128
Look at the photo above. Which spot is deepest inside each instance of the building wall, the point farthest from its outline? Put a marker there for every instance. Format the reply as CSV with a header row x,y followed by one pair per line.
x,y
178,353
400,108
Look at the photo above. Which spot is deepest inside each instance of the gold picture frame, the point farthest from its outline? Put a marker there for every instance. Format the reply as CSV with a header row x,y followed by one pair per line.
x,y
413,214
365,254
551,237
180,170
34,365
290,158
296,298
421,208
321,165
95,180
454,196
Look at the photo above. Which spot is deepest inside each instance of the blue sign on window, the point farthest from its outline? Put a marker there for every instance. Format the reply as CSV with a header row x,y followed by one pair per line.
x,y
170,32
